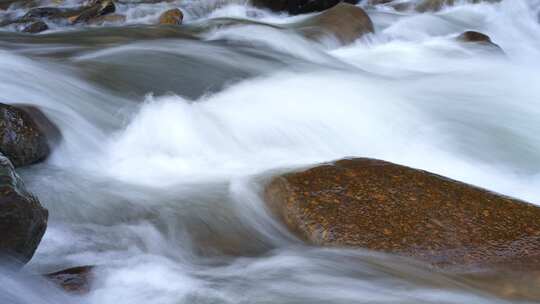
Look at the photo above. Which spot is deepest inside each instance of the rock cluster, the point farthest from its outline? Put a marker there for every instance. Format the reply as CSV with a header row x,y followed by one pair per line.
x,y
93,12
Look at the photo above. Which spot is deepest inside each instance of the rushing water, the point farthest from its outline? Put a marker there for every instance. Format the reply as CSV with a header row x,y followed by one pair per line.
x,y
168,135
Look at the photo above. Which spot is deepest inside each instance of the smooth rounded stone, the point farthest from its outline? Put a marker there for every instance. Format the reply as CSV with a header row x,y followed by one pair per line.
x,y
171,17
377,205
296,7
472,36
36,27
344,21
22,218
73,280
478,38
21,139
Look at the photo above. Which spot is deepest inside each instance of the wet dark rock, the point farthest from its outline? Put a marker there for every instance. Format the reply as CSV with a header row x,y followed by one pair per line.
x,y
472,36
95,9
43,12
92,10
478,38
296,7
22,218
36,27
74,280
52,13
6,4
21,139
345,21
381,206
171,17
45,125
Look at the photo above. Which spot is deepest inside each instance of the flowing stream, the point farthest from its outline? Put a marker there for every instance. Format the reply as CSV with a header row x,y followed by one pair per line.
x,y
170,133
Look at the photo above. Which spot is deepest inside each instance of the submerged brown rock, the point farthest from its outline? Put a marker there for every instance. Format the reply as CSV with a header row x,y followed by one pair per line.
x,y
344,21
386,207
74,280
473,37
171,17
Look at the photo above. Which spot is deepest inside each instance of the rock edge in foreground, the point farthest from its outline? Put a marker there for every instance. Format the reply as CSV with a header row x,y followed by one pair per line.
x,y
22,218
381,206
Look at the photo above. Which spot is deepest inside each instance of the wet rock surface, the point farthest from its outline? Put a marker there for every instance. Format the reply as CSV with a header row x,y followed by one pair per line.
x,y
36,18
296,7
480,39
76,280
386,207
21,139
96,8
344,21
171,17
36,27
22,218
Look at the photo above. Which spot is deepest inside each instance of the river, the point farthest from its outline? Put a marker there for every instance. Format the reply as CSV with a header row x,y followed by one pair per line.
x,y
170,133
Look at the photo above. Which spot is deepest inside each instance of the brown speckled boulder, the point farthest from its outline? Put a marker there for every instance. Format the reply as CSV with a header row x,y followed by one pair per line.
x,y
21,139
171,17
22,219
386,207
